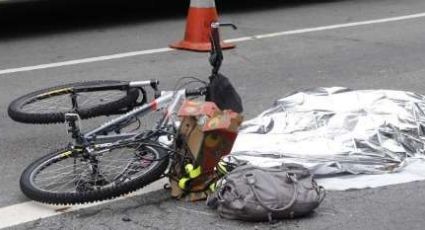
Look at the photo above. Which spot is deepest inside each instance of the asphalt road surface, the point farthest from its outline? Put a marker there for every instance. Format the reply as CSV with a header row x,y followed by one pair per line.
x,y
389,54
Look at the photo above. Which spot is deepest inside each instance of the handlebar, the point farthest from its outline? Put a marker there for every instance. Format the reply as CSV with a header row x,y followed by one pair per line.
x,y
196,92
216,54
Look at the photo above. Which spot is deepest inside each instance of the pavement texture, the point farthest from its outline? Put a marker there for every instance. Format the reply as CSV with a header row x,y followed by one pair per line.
x,y
362,209
388,55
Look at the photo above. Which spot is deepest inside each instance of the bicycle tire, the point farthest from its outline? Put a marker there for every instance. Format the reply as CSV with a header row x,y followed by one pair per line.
x,y
30,108
82,190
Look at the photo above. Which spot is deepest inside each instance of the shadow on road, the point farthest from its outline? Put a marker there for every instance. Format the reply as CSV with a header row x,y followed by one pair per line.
x,y
33,18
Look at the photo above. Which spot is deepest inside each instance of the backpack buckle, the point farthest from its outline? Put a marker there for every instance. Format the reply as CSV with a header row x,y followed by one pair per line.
x,y
250,178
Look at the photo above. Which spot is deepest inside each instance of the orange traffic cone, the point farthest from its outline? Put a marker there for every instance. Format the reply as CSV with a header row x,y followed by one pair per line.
x,y
201,14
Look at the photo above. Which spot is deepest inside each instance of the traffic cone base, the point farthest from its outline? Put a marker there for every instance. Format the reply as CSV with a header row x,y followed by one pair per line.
x,y
199,46
198,27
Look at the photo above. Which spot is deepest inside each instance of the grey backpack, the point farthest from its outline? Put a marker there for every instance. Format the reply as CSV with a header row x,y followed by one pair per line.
x,y
258,194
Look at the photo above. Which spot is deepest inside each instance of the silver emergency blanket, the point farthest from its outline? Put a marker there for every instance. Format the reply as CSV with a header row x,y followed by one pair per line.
x,y
336,130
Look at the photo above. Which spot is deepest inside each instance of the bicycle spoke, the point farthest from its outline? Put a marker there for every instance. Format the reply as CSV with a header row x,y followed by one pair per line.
x,y
117,165
63,102
59,177
58,103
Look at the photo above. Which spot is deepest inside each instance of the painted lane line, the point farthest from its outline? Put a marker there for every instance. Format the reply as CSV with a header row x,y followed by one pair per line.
x,y
234,40
30,211
330,27
85,60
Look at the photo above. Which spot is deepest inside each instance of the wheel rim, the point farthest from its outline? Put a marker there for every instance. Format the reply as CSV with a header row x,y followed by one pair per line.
x,y
69,172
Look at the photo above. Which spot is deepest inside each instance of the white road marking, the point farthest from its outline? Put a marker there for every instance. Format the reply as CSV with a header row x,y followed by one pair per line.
x,y
330,27
30,211
234,40
85,60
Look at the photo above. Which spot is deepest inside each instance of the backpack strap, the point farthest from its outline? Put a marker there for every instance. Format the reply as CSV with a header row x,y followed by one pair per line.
x,y
251,183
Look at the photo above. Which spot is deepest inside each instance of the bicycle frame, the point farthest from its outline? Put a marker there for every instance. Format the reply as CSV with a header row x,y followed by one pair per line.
x,y
168,101
116,157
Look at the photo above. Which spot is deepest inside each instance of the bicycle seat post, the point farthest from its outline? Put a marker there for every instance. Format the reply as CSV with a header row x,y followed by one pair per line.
x,y
74,101
72,120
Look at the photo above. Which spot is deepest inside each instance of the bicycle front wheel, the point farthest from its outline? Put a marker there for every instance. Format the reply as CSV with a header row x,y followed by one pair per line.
x,y
50,105
71,176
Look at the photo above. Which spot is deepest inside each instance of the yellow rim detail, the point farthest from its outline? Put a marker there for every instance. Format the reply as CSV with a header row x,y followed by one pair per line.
x,y
65,154
55,92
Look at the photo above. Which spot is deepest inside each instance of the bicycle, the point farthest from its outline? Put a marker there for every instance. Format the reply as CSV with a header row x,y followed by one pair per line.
x,y
110,161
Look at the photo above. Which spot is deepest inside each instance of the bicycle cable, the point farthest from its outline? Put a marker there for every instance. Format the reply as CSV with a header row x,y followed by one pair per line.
x,y
193,80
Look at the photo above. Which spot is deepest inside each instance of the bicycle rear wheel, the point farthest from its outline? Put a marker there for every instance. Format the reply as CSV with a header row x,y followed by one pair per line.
x,y
69,176
50,105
